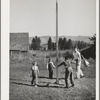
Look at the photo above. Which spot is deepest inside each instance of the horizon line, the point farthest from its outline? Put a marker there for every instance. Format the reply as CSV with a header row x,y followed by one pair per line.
x,y
61,36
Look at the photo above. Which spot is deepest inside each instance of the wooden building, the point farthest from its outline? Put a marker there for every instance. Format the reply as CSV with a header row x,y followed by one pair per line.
x,y
19,45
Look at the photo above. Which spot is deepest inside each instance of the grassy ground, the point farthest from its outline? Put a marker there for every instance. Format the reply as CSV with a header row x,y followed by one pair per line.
x,y
20,88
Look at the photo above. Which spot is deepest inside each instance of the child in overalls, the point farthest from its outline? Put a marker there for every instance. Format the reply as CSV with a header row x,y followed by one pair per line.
x,y
35,72
68,72
50,67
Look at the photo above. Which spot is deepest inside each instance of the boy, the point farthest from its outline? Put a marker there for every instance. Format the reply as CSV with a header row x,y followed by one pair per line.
x,y
50,67
35,72
68,72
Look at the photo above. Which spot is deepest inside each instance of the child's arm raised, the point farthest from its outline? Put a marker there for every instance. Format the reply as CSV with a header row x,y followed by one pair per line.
x,y
61,64
53,65
47,66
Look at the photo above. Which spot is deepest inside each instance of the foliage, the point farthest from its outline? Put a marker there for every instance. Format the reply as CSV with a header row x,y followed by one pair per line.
x,y
65,44
81,44
53,46
49,43
93,38
35,43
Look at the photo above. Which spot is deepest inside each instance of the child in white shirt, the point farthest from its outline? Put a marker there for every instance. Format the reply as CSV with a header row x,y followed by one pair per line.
x,y
35,72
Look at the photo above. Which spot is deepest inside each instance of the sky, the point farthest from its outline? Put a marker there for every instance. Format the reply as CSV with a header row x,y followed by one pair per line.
x,y
38,17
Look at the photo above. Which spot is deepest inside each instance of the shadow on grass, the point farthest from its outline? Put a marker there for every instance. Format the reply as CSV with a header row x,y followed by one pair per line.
x,y
46,77
47,85
19,80
49,78
50,86
51,83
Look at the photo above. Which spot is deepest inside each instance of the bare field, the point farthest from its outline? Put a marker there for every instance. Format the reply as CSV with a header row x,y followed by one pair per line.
x,y
20,82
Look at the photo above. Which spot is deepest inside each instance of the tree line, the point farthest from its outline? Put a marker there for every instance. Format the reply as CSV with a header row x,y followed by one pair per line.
x,y
63,44
35,45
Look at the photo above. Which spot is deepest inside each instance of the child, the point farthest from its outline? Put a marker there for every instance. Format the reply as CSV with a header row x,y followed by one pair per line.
x,y
50,67
35,72
68,72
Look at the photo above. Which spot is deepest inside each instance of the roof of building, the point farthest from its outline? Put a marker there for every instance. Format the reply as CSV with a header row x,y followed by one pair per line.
x,y
19,41
85,48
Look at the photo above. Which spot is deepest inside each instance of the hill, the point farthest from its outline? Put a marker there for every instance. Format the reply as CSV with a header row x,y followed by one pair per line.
x,y
44,39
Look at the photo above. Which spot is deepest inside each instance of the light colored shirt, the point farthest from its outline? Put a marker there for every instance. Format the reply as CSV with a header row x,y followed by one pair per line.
x,y
77,56
35,68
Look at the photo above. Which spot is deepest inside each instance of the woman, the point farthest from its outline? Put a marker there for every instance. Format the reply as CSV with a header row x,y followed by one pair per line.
x,y
77,57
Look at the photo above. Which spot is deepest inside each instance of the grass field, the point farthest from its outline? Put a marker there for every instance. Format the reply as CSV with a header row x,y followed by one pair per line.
x,y
20,82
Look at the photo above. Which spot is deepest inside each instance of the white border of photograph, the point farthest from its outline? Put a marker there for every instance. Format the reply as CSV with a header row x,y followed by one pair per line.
x,y
97,49
5,13
5,29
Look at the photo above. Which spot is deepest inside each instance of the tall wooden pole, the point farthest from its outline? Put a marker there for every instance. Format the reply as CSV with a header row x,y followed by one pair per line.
x,y
57,80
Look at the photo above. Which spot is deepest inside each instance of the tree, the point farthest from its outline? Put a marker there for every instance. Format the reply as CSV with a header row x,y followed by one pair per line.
x,y
64,43
70,44
93,38
60,43
50,43
53,46
81,44
36,43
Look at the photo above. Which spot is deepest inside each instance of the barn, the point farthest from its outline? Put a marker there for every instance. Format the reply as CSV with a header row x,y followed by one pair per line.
x,y
19,45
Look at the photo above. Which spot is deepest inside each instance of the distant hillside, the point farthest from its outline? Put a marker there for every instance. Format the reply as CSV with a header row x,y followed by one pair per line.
x,y
44,39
